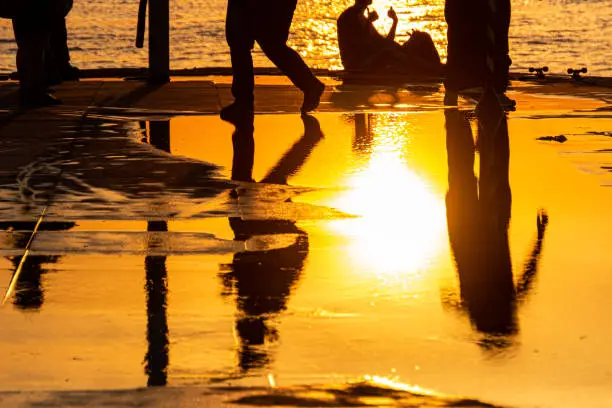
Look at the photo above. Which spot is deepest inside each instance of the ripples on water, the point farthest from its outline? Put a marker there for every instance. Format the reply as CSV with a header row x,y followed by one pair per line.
x,y
557,33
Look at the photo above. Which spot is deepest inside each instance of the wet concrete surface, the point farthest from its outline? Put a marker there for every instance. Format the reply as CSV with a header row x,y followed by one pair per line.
x,y
152,248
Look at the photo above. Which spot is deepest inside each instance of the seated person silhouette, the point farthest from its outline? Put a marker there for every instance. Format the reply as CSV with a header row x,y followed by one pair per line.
x,y
364,49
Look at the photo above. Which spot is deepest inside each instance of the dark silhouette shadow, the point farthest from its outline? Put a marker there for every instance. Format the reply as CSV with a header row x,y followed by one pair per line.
x,y
156,288
262,280
244,153
478,217
156,284
29,293
297,155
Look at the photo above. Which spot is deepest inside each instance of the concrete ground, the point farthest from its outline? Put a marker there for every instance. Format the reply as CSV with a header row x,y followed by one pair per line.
x,y
63,164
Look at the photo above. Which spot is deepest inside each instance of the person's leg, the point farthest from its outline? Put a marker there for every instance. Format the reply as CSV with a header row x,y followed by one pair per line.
x,y
59,44
272,21
239,37
54,51
31,42
502,58
466,35
57,56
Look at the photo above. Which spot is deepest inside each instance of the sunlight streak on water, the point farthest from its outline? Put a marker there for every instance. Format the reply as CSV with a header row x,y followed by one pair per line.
x,y
401,222
397,385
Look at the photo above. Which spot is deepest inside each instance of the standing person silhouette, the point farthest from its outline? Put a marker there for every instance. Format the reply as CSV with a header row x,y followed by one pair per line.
x,y
38,30
267,22
478,49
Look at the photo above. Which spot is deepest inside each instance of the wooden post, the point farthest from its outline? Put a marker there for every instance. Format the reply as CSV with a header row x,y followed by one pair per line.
x,y
159,41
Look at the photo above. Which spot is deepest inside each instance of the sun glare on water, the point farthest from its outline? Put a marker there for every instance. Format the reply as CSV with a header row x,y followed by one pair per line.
x,y
400,220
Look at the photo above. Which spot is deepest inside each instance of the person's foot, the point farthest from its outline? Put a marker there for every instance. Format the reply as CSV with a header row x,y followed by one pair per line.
x,y
38,101
70,73
238,114
312,98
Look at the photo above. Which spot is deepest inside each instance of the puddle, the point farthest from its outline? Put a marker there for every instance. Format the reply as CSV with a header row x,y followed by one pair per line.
x,y
318,252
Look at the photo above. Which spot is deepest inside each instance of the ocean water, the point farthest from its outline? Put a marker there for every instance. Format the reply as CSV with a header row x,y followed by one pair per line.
x,y
556,33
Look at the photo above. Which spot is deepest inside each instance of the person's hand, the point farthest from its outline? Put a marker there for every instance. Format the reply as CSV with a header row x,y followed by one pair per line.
x,y
372,16
392,14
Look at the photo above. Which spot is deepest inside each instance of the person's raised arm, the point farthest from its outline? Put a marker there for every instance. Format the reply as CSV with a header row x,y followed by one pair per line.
x,y
393,16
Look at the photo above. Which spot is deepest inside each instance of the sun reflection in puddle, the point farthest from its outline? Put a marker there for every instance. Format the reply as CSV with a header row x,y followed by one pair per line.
x,y
400,221
397,385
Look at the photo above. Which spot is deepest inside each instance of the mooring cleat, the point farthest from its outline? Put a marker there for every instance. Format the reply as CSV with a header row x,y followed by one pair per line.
x,y
539,72
575,73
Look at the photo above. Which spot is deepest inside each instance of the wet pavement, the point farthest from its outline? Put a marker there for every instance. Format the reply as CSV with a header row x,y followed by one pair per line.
x,y
339,259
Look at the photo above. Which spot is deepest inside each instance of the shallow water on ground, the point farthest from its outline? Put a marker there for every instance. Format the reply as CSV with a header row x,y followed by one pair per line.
x,y
338,266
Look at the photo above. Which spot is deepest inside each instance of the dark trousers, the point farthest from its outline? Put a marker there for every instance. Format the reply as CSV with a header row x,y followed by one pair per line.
x,y
57,56
267,22
500,50
469,43
31,35
40,33
58,43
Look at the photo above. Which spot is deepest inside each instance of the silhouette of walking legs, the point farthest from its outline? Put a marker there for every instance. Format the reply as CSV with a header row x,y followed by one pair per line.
x,y
272,32
268,23
241,39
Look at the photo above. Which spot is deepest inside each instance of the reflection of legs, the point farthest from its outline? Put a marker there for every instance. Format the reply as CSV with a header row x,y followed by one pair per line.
x,y
497,314
244,154
240,40
29,293
296,156
156,359
477,226
494,146
156,287
462,195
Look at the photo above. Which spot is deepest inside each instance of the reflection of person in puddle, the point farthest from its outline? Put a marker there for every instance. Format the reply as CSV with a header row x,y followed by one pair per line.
x,y
262,280
28,290
478,216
